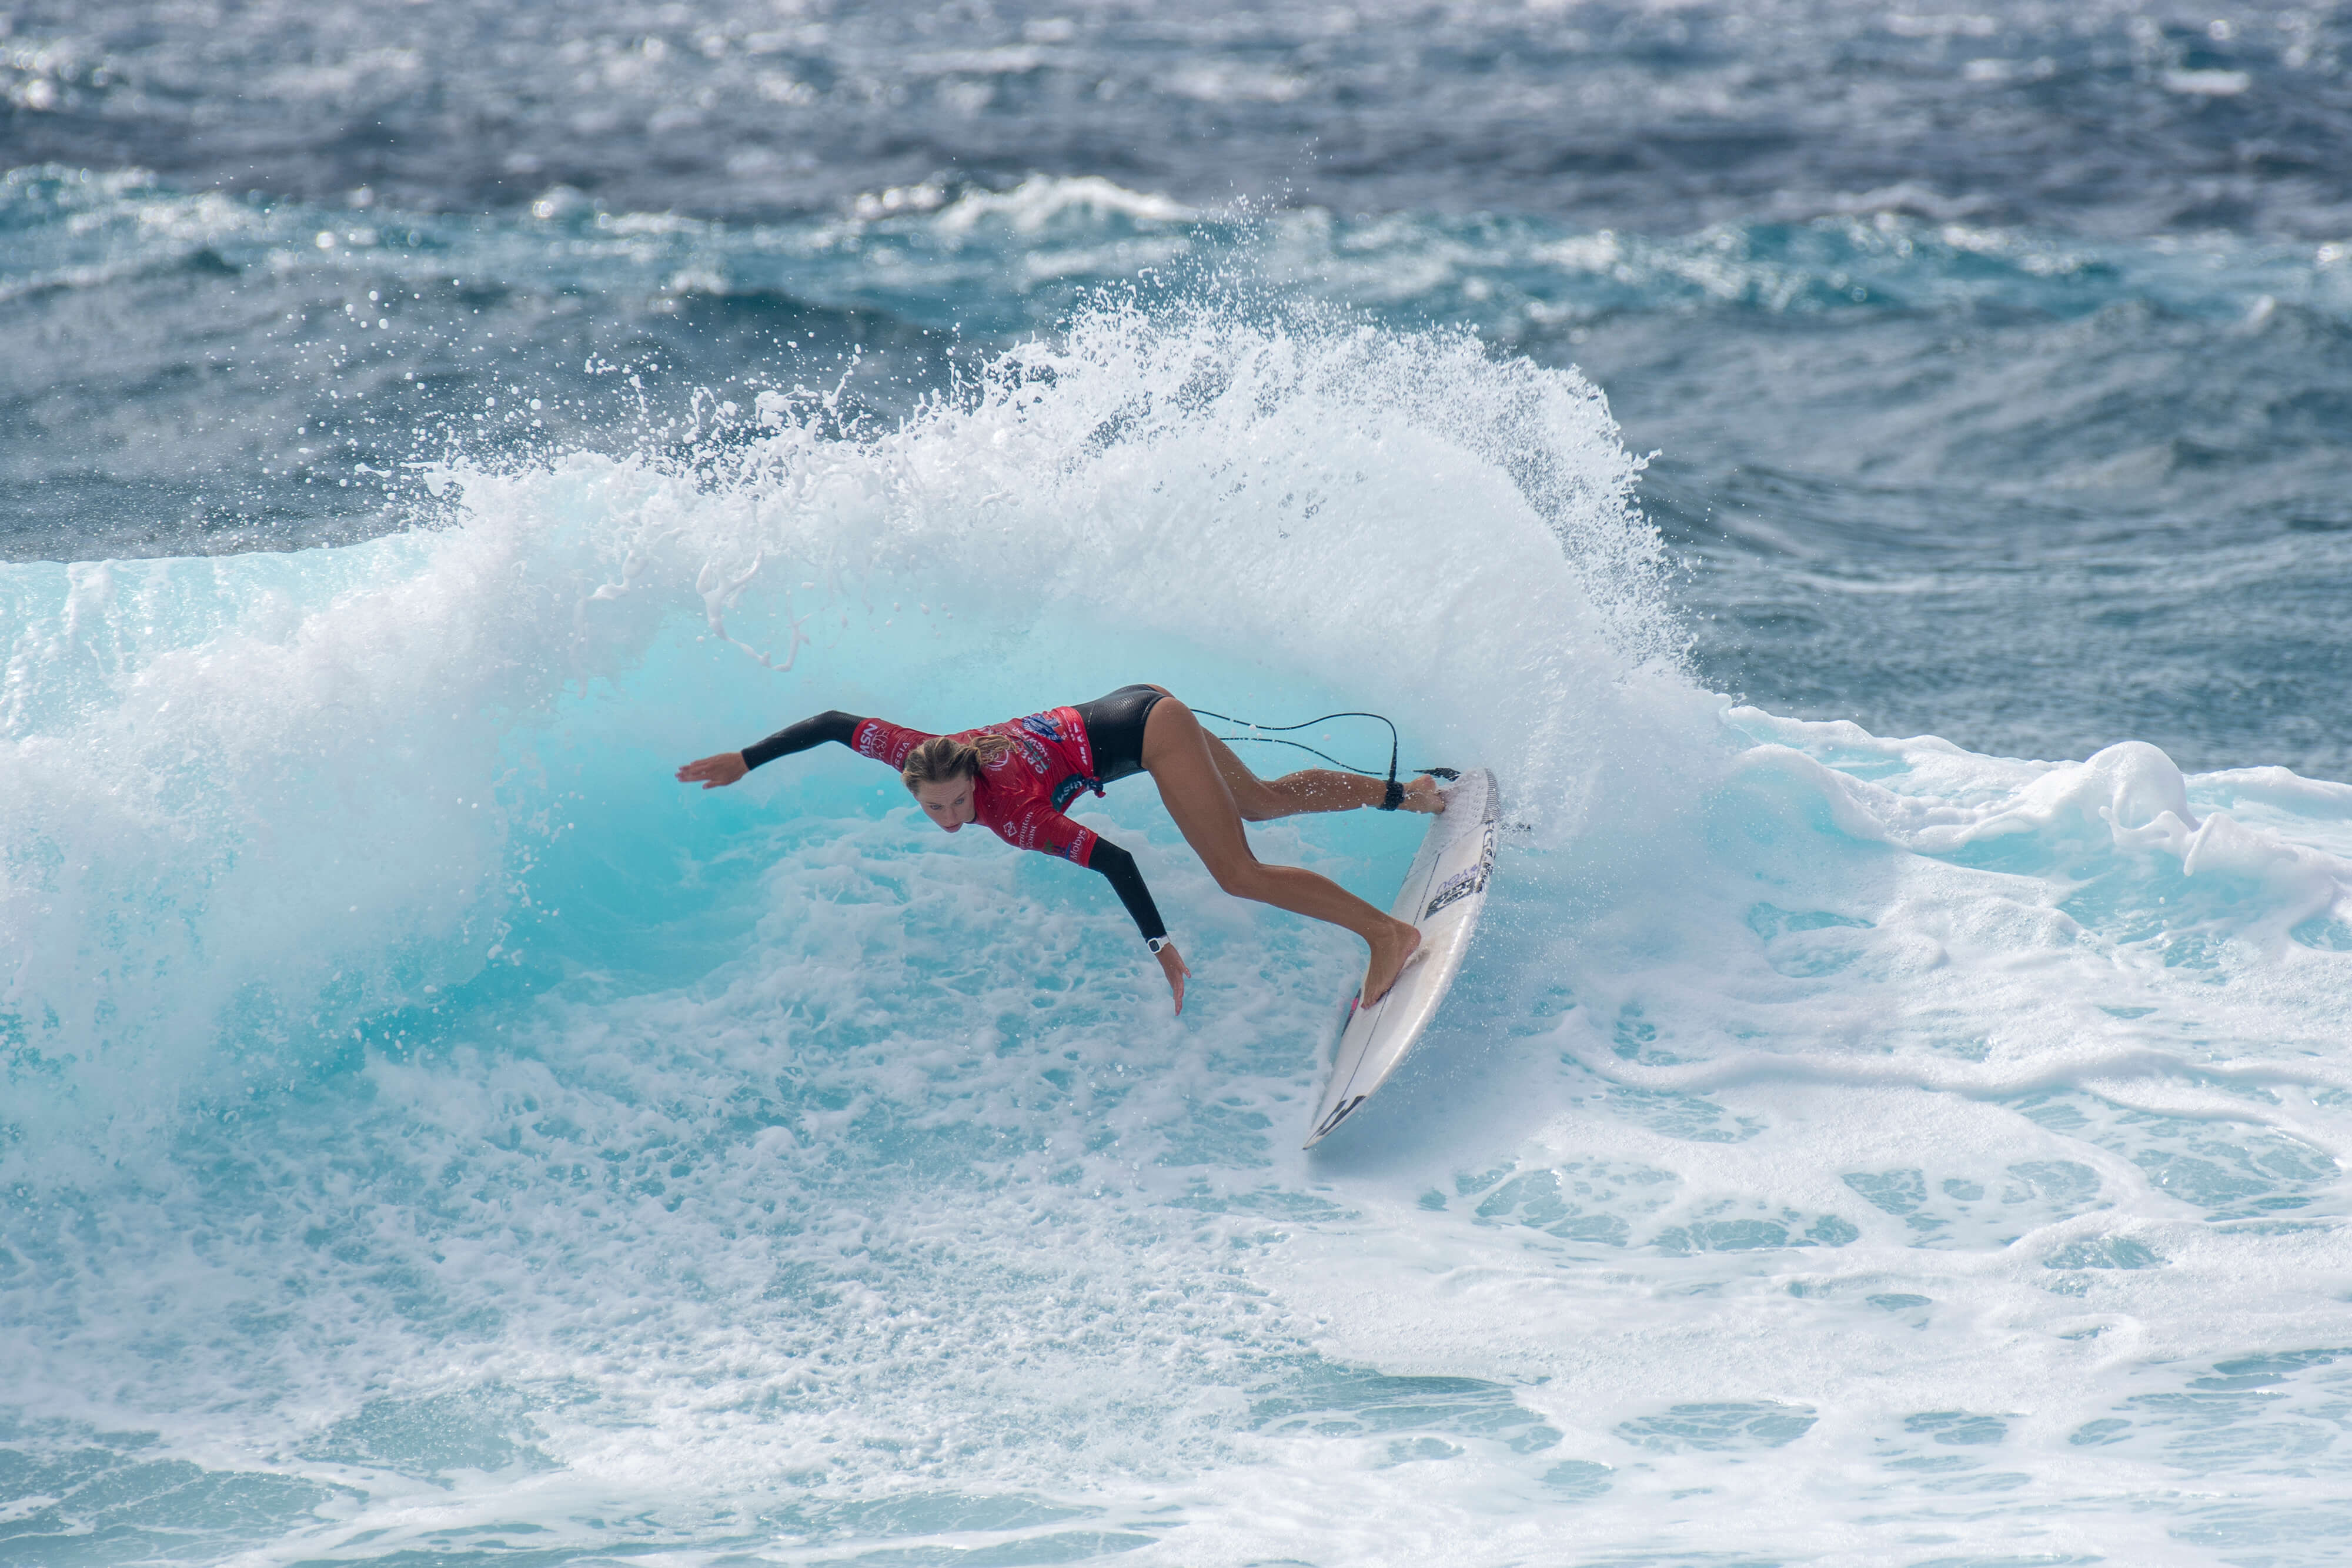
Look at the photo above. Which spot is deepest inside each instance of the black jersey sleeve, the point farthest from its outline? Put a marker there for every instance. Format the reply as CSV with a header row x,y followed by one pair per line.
x,y
1118,867
833,726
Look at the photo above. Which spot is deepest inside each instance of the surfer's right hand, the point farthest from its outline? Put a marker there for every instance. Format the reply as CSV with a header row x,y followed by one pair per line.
x,y
714,772
1172,964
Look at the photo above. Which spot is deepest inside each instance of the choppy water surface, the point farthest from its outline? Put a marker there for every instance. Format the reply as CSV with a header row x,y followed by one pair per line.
x,y
431,1136
2123,117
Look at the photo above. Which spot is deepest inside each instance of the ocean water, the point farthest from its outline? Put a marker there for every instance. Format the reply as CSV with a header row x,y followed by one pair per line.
x,y
1872,482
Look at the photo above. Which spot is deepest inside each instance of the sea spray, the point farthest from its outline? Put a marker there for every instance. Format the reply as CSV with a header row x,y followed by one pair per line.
x,y
258,799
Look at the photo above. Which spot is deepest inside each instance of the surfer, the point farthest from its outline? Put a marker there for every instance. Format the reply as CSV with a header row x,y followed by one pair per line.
x,y
1016,778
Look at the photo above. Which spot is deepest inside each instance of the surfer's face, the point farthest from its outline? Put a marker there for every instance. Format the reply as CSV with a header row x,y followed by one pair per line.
x,y
949,804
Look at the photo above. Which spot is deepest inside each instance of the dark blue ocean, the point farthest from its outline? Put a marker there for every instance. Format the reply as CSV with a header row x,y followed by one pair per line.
x,y
1875,482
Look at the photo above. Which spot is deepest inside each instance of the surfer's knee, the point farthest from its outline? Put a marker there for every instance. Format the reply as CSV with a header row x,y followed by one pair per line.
x,y
1241,879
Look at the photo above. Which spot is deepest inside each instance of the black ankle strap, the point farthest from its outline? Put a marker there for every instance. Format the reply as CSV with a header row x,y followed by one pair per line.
x,y
1395,798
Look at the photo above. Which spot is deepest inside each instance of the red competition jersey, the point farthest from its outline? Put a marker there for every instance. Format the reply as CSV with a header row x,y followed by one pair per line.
x,y
1020,796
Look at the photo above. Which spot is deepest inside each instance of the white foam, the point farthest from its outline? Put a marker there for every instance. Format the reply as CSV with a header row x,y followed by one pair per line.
x,y
1035,202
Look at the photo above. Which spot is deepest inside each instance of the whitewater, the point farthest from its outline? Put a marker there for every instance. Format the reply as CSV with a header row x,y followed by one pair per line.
x,y
432,1136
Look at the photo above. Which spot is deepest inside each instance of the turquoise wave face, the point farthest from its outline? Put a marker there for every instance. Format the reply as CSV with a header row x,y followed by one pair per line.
x,y
432,1133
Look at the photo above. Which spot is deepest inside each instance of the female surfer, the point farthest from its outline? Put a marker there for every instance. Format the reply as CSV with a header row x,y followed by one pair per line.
x,y
1016,778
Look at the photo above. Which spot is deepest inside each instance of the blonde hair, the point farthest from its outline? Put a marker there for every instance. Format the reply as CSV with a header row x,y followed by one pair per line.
x,y
944,758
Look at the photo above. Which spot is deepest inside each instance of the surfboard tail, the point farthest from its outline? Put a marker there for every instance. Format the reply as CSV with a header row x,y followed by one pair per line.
x,y
1441,898
1339,1114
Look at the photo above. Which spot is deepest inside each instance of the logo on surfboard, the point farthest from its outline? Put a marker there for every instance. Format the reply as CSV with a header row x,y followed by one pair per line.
x,y
1462,884
1338,1114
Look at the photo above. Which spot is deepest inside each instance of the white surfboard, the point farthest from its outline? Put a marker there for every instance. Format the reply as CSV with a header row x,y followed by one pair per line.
x,y
1442,896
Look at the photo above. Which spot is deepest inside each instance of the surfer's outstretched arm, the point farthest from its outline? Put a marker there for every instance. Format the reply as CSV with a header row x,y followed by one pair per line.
x,y
726,767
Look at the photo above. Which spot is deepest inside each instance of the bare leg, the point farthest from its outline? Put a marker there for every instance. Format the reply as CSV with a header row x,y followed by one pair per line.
x,y
1177,754
1311,789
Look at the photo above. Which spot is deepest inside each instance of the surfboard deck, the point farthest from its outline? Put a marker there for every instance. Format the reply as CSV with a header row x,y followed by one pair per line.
x,y
1442,896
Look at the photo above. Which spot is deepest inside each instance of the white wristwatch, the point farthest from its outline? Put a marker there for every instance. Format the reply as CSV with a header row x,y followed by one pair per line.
x,y
1155,943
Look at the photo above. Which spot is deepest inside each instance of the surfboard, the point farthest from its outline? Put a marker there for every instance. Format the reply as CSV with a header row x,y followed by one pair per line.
x,y
1442,896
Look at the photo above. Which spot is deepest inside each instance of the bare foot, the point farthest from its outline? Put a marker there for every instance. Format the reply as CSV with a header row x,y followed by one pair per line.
x,y
1390,953
1422,795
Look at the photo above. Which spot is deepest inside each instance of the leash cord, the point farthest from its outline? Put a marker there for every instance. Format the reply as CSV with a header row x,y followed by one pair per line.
x,y
1447,774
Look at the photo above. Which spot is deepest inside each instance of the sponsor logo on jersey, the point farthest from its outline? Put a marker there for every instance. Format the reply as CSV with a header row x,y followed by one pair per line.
x,y
1031,752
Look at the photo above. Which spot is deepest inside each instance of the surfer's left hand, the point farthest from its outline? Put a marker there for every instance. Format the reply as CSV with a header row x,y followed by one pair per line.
x,y
714,772
1172,964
